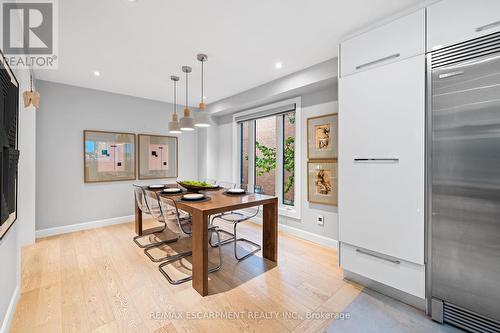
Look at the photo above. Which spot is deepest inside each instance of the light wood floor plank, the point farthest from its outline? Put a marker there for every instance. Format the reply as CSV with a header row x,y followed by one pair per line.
x,y
100,281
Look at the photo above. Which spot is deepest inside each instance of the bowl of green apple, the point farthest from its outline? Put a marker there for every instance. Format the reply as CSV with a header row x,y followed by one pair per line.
x,y
195,185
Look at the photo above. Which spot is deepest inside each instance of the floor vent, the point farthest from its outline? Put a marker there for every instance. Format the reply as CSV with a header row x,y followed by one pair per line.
x,y
468,320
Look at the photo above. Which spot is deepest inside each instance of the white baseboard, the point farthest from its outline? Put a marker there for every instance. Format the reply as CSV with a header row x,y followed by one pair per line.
x,y
315,238
83,226
10,311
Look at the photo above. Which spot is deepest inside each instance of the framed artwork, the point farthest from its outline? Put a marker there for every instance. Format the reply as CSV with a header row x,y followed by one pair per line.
x,y
9,153
322,182
158,156
322,136
108,156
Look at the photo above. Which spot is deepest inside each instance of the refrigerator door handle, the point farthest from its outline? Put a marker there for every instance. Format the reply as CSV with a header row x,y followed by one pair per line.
x,y
450,74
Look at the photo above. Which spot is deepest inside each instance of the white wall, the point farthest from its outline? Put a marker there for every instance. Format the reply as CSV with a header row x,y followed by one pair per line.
x,y
65,111
220,161
22,231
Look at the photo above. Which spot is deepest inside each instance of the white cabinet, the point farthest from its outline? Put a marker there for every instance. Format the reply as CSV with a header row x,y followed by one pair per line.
x,y
398,274
454,21
399,39
381,159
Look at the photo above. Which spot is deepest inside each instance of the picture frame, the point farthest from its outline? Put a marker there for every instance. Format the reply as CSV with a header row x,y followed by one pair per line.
x,y
322,182
108,156
158,156
322,136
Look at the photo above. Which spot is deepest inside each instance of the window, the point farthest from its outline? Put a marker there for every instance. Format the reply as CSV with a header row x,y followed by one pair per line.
x,y
289,158
267,154
244,153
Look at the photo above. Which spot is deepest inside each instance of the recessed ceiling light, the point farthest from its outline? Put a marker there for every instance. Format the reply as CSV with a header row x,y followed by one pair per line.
x,y
132,0
97,73
204,97
278,65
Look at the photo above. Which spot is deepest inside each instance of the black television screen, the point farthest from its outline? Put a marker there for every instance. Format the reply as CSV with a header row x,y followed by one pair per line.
x,y
9,154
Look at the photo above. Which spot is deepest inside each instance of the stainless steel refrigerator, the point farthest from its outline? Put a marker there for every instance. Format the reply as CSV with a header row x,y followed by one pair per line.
x,y
463,184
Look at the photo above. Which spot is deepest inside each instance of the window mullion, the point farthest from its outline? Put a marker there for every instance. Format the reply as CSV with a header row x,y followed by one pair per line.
x,y
251,152
279,158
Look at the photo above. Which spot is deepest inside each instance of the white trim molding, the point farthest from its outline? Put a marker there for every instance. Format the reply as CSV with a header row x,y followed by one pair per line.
x,y
306,235
83,226
290,211
10,311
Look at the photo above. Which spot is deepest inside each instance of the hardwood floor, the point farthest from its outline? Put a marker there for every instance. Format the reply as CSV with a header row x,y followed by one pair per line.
x,y
100,281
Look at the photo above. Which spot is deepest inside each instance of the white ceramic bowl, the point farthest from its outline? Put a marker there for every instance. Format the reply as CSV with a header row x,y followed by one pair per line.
x,y
236,191
156,186
193,196
172,190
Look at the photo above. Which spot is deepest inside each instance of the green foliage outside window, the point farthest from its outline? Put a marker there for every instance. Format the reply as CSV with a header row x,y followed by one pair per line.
x,y
267,161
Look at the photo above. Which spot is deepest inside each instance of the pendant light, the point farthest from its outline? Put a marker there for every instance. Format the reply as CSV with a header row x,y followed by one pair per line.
x,y
186,122
173,126
31,97
202,118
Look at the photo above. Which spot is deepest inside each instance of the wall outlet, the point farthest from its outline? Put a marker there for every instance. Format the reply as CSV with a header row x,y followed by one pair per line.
x,y
320,220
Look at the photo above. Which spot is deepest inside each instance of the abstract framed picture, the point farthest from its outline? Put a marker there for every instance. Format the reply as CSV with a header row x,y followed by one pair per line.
x,y
108,156
322,136
322,182
9,153
158,156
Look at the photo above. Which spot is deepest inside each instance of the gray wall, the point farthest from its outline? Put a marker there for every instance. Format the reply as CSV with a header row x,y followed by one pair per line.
x,y
65,111
219,139
315,104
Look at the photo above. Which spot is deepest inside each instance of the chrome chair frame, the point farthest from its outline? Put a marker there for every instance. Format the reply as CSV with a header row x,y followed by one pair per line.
x,y
145,208
233,236
165,215
211,228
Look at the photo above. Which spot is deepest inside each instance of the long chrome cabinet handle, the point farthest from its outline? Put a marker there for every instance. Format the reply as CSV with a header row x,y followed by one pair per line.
x,y
488,26
394,160
451,74
394,261
392,56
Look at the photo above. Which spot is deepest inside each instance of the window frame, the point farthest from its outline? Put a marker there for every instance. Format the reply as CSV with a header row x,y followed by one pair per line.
x,y
283,209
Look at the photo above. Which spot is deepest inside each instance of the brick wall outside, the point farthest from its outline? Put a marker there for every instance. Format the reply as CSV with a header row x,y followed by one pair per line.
x,y
265,133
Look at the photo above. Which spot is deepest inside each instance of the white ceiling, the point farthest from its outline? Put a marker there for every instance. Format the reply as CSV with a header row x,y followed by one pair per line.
x,y
137,45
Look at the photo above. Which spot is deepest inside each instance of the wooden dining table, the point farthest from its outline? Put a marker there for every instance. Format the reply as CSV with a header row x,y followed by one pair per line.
x,y
219,202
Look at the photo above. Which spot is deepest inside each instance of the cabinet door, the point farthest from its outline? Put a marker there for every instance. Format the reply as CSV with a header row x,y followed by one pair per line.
x,y
396,40
381,159
454,21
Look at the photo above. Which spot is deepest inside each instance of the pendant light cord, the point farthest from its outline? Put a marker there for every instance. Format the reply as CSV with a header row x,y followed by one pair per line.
x,y
175,97
202,94
186,89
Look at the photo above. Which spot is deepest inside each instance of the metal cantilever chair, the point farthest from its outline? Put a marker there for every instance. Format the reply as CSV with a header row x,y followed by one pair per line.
x,y
169,208
237,217
143,203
